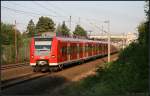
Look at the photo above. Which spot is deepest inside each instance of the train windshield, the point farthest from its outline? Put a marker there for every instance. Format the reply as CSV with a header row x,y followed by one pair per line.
x,y
42,46
43,39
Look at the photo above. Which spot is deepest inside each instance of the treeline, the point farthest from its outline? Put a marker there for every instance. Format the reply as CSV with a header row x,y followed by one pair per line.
x,y
8,34
13,44
46,24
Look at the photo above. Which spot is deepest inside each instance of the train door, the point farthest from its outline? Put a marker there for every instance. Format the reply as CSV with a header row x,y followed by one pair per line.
x,y
84,50
64,51
68,51
73,55
102,50
80,50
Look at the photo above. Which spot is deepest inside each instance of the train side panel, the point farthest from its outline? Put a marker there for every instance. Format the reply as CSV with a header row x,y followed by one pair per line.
x,y
53,60
32,59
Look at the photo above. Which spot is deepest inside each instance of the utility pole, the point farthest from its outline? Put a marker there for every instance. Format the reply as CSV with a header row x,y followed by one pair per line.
x,y
16,57
102,29
79,20
70,23
108,34
108,41
123,40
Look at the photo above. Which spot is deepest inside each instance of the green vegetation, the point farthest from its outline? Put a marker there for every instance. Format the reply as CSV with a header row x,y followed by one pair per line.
x,y
31,28
79,31
8,46
127,76
123,77
8,42
8,34
62,30
45,24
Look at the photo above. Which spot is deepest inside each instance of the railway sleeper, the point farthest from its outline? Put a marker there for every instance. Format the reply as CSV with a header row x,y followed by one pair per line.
x,y
54,68
39,68
36,69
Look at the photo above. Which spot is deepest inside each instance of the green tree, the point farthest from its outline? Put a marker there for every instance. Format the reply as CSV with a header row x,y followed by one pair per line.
x,y
31,28
8,37
45,24
7,34
143,27
146,9
58,30
134,59
143,30
64,29
79,31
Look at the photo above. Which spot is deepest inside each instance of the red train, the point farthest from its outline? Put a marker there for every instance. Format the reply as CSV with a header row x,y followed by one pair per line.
x,y
51,53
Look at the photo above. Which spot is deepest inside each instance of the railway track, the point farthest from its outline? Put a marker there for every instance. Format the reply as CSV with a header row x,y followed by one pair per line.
x,y
21,79
29,76
39,83
10,66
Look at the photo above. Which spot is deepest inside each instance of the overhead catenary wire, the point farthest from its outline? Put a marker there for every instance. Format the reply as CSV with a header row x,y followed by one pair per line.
x,y
27,14
52,10
42,6
30,9
16,10
56,7
24,12
37,14
49,10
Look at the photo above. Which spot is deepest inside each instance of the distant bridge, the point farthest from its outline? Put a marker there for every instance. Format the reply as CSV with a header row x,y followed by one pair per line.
x,y
119,41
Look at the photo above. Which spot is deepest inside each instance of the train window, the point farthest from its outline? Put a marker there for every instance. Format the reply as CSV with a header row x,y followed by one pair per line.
x,y
92,48
86,48
72,49
68,50
64,50
95,47
43,39
78,50
75,49
100,47
42,46
89,48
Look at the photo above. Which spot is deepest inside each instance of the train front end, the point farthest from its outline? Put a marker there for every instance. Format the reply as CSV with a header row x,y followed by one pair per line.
x,y
40,50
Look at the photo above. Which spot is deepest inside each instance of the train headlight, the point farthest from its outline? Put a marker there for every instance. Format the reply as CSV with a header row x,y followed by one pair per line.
x,y
42,57
32,56
53,56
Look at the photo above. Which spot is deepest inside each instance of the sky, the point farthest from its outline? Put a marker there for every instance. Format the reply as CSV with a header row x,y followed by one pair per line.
x,y
123,16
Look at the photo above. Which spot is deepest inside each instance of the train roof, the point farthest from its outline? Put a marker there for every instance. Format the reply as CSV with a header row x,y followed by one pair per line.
x,y
71,39
43,37
78,40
